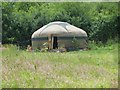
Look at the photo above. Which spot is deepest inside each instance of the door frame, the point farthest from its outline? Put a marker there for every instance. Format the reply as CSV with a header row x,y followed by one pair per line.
x,y
54,41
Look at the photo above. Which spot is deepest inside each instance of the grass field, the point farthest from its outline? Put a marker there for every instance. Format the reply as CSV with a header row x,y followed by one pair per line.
x,y
96,68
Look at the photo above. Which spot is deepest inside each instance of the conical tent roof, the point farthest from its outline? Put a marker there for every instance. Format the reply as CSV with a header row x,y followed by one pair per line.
x,y
60,29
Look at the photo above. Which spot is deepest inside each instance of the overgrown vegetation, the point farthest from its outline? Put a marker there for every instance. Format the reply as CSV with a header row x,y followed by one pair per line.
x,y
95,68
21,19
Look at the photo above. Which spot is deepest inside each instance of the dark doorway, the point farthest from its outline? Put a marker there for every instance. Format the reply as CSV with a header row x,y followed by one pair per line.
x,y
55,43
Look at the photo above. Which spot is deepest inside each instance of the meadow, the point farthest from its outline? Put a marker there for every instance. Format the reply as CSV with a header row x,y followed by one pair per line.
x,y
95,68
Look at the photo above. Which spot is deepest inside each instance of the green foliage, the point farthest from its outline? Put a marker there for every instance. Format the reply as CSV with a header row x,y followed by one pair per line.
x,y
21,19
75,43
104,23
110,45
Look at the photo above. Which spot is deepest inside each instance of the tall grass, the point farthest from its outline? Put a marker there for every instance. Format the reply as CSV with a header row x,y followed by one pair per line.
x,y
0,67
95,68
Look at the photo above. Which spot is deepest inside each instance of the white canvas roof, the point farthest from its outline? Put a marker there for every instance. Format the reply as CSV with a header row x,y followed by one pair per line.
x,y
60,29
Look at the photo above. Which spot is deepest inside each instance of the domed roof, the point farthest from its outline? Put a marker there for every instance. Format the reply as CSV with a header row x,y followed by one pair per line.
x,y
59,28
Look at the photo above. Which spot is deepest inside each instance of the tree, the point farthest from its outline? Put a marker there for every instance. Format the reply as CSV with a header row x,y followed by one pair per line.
x,y
21,19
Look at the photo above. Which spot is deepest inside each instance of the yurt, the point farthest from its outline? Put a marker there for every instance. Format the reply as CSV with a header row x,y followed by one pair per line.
x,y
56,35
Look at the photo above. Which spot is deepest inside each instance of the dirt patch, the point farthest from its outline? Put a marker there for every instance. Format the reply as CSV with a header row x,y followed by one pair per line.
x,y
2,48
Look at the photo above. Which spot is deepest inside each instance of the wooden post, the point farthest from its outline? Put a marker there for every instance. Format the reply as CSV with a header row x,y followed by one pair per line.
x,y
49,42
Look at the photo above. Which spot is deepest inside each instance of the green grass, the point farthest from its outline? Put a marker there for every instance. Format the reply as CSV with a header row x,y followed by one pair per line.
x,y
96,68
